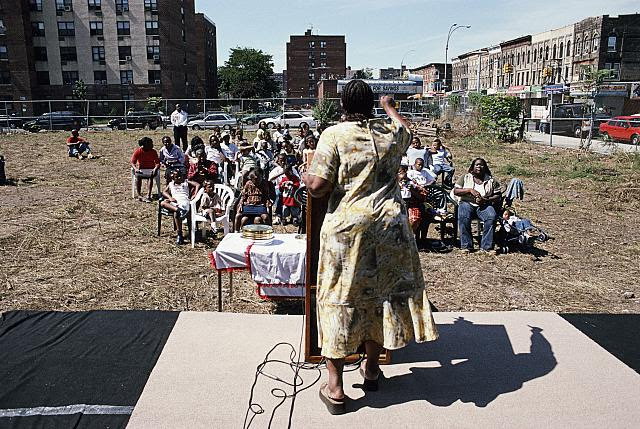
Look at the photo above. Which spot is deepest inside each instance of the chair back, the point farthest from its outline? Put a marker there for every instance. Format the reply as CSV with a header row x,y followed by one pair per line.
x,y
226,195
436,197
300,196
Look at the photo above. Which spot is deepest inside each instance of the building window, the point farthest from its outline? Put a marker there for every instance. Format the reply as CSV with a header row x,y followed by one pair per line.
x,y
3,52
555,52
5,78
323,55
566,73
323,44
561,50
122,6
154,77
152,28
68,53
37,29
312,76
95,28
3,29
569,48
585,46
611,43
596,42
66,29
100,77
312,45
124,53
528,57
150,4
126,77
578,47
70,77
97,53
42,78
40,53
124,28
35,5
95,4
546,53
64,5
153,52
323,64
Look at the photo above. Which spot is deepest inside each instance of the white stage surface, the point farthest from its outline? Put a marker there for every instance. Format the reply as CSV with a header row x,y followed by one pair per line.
x,y
488,370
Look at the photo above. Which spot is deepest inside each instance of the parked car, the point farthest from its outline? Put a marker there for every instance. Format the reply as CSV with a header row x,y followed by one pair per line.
x,y
63,120
256,117
201,116
140,119
599,118
567,119
221,120
378,112
293,119
622,128
11,121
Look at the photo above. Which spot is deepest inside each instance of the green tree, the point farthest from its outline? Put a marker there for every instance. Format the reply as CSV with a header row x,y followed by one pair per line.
x,y
80,90
154,103
454,101
365,73
592,80
432,109
325,112
248,73
499,115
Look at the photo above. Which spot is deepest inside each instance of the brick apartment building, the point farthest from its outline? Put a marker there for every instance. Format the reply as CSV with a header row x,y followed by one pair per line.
x,y
121,49
432,77
311,58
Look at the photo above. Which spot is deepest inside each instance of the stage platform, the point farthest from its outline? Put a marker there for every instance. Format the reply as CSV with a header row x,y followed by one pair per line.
x,y
196,370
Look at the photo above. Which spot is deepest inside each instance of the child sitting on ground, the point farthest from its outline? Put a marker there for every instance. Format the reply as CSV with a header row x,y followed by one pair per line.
x,y
254,200
288,185
177,200
211,205
77,146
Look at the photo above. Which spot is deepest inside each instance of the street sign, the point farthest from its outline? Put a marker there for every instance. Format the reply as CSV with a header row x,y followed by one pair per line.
x,y
554,89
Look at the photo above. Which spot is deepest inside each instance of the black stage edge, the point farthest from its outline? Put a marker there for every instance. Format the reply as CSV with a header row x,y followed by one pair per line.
x,y
616,333
55,359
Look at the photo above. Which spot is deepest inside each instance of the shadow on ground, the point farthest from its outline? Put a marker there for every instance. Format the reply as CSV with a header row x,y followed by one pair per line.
x,y
469,363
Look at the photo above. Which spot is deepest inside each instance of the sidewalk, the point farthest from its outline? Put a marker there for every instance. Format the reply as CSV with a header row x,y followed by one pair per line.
x,y
597,146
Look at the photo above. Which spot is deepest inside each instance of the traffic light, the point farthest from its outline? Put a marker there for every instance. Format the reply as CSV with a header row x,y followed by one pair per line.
x,y
507,68
547,71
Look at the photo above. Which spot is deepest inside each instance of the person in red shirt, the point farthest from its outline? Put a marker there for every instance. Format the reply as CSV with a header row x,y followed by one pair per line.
x,y
78,146
146,165
288,185
201,169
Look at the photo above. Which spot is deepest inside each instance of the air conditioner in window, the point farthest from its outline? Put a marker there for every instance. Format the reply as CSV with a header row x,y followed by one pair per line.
x,y
67,9
103,62
157,81
156,57
98,13
127,58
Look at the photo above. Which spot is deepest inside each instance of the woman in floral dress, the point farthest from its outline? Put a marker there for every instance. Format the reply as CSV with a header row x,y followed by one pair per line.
x,y
370,285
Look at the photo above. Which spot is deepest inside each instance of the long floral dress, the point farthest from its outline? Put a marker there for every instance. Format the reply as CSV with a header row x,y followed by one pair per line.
x,y
370,283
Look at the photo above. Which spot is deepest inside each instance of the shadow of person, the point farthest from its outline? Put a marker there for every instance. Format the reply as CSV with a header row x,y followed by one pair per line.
x,y
470,363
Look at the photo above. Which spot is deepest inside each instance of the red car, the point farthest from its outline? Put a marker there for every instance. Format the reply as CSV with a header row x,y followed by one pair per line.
x,y
623,128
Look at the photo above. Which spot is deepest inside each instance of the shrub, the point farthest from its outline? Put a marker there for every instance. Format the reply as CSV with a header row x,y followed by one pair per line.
x,y
325,112
500,116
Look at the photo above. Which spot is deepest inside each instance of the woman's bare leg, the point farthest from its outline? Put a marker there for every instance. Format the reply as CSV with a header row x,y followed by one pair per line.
x,y
150,187
138,186
335,367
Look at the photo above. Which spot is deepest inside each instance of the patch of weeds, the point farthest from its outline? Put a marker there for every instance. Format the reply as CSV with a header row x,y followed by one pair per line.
x,y
561,201
515,171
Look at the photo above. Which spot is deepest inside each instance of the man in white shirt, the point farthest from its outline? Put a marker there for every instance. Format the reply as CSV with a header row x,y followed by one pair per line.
x,y
420,175
416,151
179,119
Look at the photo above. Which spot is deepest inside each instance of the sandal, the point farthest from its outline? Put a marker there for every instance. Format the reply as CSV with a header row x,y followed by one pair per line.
x,y
335,406
369,384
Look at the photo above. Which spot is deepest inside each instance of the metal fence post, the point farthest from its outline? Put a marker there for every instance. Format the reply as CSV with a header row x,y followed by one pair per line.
x,y
87,114
6,111
50,119
551,119
126,122
204,106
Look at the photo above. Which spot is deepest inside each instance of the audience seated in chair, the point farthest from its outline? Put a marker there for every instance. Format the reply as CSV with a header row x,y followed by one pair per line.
x,y
440,161
200,168
477,193
172,157
177,199
255,204
288,185
413,195
416,151
211,205
146,165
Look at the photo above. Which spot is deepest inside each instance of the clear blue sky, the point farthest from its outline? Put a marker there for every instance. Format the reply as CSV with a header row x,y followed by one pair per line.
x,y
380,32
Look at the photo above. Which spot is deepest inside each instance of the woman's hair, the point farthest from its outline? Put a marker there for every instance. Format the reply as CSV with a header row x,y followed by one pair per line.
x,y
196,141
357,100
486,166
144,140
209,182
165,139
214,138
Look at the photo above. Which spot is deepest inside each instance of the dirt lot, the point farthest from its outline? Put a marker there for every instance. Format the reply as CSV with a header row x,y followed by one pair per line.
x,y
73,239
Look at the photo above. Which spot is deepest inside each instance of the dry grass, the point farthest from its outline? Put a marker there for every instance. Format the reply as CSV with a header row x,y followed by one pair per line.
x,y
73,239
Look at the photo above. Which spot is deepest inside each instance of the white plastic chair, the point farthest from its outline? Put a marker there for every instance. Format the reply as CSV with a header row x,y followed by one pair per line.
x,y
133,182
226,195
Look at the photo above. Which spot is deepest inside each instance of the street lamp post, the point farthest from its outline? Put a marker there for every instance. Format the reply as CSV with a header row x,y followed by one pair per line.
x,y
403,57
452,29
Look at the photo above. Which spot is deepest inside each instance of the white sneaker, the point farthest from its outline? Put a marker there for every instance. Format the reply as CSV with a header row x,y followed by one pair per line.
x,y
276,220
214,229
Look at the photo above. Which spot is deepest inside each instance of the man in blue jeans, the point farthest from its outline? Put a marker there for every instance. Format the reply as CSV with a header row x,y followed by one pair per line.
x,y
477,192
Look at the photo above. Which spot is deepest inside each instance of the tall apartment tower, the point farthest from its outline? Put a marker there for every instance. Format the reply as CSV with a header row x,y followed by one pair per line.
x,y
121,49
311,58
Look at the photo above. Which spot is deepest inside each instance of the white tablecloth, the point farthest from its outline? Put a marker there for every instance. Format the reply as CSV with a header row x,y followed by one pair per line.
x,y
278,267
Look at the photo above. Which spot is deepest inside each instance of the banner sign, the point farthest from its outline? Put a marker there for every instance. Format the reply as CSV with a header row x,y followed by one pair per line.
x,y
389,86
614,89
635,90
